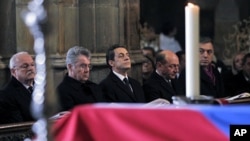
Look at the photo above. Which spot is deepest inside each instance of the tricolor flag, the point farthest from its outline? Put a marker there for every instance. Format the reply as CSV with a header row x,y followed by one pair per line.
x,y
107,122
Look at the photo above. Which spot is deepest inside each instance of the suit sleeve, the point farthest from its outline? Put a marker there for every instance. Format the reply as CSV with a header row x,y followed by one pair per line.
x,y
151,93
107,92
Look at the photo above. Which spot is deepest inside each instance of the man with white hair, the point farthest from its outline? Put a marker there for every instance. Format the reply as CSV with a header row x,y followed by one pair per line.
x,y
17,94
76,88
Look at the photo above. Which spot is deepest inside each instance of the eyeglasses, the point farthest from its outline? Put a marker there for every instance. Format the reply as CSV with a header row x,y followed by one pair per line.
x,y
25,66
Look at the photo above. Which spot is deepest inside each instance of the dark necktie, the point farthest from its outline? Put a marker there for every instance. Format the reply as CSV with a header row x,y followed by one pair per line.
x,y
125,80
30,89
210,74
169,82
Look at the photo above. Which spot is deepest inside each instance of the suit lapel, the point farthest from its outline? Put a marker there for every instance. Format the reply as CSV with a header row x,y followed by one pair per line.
x,y
164,83
204,76
121,85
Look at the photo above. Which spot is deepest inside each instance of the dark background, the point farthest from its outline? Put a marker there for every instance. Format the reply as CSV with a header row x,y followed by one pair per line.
x,y
156,12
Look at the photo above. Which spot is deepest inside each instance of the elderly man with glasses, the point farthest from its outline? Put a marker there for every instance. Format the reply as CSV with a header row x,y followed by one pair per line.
x,y
16,95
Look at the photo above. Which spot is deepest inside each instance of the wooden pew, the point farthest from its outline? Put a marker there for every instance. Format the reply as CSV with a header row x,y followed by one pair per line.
x,y
16,131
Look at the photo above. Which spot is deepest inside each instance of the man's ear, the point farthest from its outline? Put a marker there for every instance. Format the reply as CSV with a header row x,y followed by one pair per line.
x,y
13,72
111,63
69,66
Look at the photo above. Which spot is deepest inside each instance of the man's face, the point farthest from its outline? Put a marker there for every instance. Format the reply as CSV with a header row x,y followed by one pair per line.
x,y
170,69
24,69
246,67
206,54
81,69
121,60
147,67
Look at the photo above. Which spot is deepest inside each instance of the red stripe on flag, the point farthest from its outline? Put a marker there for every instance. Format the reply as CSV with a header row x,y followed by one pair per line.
x,y
89,123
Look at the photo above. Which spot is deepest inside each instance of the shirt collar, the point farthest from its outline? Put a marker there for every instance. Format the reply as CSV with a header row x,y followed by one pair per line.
x,y
120,76
27,86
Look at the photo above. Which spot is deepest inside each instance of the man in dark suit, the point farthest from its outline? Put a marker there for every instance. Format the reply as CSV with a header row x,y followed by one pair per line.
x,y
162,83
76,89
211,83
17,93
118,86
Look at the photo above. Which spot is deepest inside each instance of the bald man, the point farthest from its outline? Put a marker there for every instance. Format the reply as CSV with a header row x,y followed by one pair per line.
x,y
162,83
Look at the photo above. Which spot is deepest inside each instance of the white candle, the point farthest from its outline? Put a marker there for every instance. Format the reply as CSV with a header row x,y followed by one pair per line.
x,y
192,50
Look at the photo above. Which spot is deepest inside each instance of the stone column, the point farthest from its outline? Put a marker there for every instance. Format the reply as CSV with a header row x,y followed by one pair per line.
x,y
62,25
106,22
24,39
7,37
7,28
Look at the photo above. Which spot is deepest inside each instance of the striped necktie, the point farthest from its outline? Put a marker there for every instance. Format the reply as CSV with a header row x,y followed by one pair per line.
x,y
125,80
30,89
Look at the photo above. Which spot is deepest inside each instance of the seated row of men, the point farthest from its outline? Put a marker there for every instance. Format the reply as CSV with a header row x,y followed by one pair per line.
x,y
76,88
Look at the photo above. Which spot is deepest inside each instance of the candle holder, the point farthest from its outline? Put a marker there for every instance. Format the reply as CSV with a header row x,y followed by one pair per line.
x,y
200,99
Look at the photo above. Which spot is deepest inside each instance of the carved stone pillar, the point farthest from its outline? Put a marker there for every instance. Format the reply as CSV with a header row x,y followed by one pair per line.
x,y
62,25
3,72
7,37
107,22
7,28
24,39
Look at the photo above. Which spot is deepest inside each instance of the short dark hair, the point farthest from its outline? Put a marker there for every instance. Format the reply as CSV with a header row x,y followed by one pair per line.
x,y
110,54
179,54
151,60
204,40
244,60
150,49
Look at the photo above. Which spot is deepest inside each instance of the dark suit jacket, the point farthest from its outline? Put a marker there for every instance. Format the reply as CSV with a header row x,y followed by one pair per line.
x,y
206,86
72,92
16,101
157,87
114,90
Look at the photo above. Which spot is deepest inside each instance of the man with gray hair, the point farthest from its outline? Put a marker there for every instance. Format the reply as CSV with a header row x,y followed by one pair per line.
x,y
17,93
76,89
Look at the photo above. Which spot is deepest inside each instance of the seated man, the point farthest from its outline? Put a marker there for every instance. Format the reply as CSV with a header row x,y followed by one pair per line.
x,y
162,82
76,89
16,95
117,86
211,83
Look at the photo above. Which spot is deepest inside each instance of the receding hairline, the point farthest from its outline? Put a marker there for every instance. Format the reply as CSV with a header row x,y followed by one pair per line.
x,y
15,57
